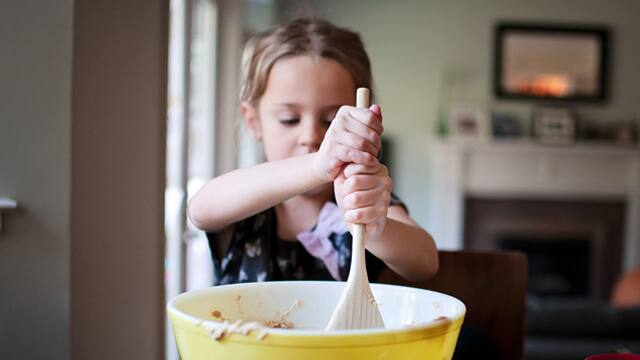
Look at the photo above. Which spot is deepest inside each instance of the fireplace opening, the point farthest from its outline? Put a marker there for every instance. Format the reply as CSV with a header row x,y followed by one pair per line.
x,y
574,247
558,266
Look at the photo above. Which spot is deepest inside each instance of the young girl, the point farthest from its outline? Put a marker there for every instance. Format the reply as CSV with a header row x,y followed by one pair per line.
x,y
287,218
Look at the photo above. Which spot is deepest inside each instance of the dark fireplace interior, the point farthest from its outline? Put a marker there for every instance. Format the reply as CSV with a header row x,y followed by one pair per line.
x,y
574,248
558,266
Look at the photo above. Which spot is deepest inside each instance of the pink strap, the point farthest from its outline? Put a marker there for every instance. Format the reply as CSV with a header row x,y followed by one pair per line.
x,y
317,241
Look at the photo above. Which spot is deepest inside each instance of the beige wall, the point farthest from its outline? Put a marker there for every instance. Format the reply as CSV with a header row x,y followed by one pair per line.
x,y
412,43
82,136
35,163
118,142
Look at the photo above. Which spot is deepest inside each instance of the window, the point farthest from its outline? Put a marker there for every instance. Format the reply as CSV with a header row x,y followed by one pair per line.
x,y
204,66
190,144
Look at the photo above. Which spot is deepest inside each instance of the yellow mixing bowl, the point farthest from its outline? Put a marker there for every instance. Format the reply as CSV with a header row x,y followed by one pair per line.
x,y
419,324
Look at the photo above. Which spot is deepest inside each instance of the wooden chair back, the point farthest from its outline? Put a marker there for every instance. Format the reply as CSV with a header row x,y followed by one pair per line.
x,y
491,284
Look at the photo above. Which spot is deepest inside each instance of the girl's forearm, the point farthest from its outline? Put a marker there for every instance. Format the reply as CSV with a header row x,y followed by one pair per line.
x,y
407,249
245,192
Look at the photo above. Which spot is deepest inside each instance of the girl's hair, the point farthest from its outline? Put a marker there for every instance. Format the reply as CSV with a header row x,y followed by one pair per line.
x,y
304,36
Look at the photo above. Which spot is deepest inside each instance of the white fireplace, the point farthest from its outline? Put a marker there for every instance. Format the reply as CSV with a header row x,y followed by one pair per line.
x,y
519,169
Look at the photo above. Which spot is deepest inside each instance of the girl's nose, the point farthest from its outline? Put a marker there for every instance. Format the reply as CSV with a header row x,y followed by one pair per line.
x,y
312,134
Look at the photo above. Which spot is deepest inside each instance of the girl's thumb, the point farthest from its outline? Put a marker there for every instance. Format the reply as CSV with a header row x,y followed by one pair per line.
x,y
377,110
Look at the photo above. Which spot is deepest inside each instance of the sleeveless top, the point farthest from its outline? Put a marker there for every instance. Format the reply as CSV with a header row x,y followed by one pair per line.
x,y
256,253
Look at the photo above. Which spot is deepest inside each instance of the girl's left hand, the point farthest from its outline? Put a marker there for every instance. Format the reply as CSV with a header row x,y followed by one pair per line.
x,y
363,194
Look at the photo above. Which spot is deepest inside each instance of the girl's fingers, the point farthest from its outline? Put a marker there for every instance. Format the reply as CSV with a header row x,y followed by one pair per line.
x,y
365,198
377,110
368,118
365,215
361,182
352,138
365,132
347,154
356,142
353,169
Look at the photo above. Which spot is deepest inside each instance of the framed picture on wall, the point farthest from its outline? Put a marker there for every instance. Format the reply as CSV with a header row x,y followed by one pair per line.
x,y
468,123
554,125
550,62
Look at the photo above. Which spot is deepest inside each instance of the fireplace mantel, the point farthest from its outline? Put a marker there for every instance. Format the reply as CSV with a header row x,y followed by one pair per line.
x,y
528,170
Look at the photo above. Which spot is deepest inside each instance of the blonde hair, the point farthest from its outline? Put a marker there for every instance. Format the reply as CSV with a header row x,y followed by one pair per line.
x,y
304,36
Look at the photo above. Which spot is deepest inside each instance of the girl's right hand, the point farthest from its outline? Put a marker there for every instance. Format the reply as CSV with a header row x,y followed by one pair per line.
x,y
352,137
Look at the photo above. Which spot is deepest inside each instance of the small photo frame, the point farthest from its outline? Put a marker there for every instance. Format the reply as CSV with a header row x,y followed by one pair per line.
x,y
621,133
625,133
554,125
468,123
506,125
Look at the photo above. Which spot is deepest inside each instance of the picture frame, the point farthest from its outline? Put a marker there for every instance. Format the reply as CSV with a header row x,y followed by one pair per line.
x,y
554,125
625,133
468,123
613,132
553,62
506,125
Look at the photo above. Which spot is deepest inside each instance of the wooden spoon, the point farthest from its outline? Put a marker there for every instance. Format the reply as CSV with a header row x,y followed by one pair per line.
x,y
357,308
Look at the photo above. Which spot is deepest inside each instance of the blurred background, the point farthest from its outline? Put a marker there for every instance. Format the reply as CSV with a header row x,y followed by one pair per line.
x,y
509,125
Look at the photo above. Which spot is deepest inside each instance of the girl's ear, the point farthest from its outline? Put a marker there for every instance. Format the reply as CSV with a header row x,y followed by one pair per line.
x,y
250,115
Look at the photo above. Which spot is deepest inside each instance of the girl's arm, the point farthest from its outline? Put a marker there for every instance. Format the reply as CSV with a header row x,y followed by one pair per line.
x,y
244,192
363,194
405,247
352,137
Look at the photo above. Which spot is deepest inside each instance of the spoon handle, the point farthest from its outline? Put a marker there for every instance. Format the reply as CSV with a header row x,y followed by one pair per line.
x,y
358,230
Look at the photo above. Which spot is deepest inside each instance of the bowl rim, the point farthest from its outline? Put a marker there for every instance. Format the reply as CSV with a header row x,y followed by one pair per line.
x,y
431,328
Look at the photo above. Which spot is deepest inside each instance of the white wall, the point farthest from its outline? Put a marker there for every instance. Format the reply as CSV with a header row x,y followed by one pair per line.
x,y
412,43
35,169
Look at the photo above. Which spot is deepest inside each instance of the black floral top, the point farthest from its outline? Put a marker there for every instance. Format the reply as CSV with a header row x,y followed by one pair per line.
x,y
256,253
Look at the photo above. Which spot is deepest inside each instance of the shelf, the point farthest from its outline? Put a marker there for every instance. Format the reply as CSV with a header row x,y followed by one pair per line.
x,y
529,145
6,206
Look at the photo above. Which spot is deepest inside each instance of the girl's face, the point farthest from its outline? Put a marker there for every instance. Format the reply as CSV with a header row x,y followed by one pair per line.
x,y
302,96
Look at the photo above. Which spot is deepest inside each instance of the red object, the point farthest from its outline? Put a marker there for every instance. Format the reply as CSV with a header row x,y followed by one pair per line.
x,y
613,357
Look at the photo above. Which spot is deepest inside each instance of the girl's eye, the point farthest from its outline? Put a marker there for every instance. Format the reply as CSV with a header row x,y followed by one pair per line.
x,y
289,122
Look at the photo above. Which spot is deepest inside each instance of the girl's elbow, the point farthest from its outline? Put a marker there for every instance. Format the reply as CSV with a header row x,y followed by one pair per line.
x,y
433,267
424,269
202,217
430,266
433,258
195,215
